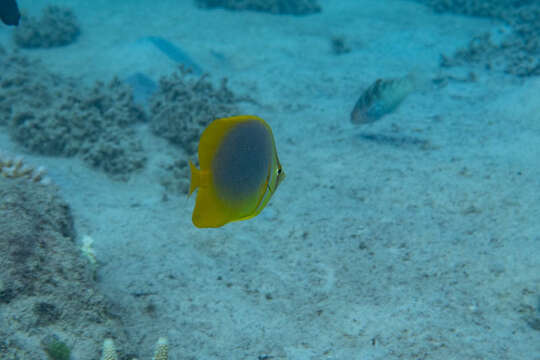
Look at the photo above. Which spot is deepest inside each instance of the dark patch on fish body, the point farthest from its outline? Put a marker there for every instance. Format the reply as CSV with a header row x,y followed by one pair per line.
x,y
242,162
9,12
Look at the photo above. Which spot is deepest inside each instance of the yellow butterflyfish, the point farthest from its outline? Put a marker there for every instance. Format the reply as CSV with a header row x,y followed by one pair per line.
x,y
239,171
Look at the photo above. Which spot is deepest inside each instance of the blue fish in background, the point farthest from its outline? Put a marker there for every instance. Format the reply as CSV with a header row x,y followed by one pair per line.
x,y
174,53
143,88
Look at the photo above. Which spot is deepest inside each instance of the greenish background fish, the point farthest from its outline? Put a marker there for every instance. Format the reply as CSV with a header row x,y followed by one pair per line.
x,y
384,96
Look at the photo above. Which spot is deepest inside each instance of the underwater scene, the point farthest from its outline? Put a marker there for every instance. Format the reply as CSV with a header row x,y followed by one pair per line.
x,y
270,179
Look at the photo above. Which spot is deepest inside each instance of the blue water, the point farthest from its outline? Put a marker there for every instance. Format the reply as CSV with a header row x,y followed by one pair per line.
x,y
412,237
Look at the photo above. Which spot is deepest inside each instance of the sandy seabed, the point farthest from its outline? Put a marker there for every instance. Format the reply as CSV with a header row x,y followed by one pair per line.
x,y
414,238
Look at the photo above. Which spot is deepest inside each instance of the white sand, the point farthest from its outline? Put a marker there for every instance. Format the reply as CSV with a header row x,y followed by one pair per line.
x,y
368,250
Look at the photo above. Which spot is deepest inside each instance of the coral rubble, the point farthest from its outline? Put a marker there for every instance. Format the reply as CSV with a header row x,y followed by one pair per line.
x,y
487,8
339,45
46,287
516,53
295,7
184,106
57,27
54,115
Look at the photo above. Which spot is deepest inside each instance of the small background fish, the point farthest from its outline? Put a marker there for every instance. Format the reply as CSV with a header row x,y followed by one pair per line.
x,y
175,53
383,97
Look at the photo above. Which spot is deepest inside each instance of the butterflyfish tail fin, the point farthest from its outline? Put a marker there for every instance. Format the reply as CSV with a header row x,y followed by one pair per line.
x,y
195,178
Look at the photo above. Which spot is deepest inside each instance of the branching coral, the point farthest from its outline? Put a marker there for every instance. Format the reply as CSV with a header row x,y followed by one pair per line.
x,y
161,353
16,168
